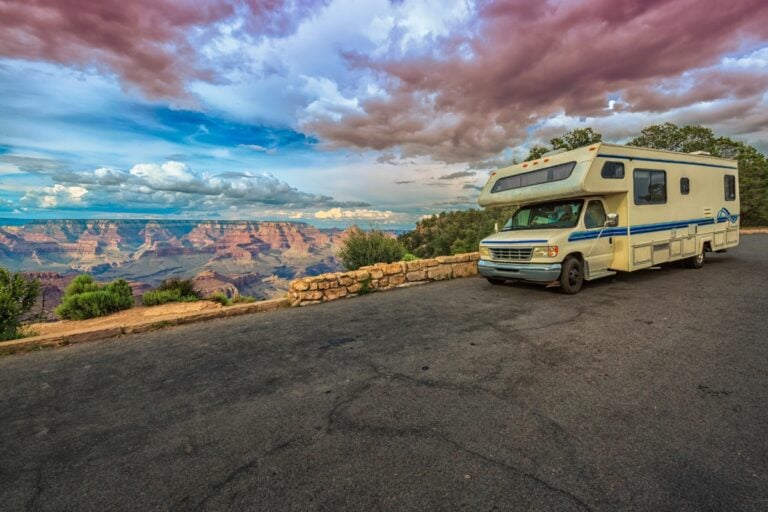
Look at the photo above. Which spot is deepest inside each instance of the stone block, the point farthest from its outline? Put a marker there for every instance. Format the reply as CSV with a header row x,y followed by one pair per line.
x,y
464,269
335,293
416,275
396,279
431,262
376,273
315,295
474,256
322,285
393,268
439,273
300,285
362,275
461,258
410,266
346,280
354,288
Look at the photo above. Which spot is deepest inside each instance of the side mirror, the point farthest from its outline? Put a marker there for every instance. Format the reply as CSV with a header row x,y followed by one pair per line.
x,y
495,227
611,220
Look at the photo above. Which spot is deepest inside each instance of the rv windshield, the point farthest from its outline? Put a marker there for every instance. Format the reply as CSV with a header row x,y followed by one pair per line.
x,y
556,214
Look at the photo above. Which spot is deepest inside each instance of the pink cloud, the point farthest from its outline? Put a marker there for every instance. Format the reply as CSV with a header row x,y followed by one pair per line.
x,y
147,43
530,60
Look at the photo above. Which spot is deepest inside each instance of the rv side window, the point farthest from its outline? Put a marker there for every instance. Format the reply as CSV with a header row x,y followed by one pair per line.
x,y
594,216
730,187
685,186
546,175
612,170
650,186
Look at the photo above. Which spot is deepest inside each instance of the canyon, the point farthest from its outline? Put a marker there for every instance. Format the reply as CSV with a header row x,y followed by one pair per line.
x,y
235,257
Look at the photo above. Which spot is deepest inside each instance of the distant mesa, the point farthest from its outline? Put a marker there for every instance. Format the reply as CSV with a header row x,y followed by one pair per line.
x,y
234,257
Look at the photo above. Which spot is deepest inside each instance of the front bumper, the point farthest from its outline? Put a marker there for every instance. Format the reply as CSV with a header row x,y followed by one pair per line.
x,y
523,271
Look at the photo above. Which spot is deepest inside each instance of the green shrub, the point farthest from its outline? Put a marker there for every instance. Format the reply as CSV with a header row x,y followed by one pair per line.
x,y
171,290
221,298
185,287
410,257
84,298
157,297
363,248
17,296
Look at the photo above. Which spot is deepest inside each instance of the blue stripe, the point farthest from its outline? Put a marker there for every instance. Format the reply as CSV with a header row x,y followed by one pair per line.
x,y
660,160
515,242
646,228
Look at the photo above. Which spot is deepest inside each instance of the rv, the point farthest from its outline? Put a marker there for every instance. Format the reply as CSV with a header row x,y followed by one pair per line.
x,y
588,213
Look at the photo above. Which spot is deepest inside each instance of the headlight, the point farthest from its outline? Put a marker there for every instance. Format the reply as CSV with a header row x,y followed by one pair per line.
x,y
485,252
545,251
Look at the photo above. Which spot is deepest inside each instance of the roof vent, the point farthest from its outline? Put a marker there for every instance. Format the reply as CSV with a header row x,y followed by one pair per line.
x,y
705,153
555,152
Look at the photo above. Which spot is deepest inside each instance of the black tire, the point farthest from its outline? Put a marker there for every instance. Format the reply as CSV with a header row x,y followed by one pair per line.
x,y
571,276
697,261
495,280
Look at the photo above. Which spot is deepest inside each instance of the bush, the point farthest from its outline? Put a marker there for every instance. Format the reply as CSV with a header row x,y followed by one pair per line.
x,y
171,290
410,257
17,296
185,287
221,298
85,298
363,248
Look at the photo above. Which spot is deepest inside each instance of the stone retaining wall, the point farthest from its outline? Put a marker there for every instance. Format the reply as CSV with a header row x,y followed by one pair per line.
x,y
381,276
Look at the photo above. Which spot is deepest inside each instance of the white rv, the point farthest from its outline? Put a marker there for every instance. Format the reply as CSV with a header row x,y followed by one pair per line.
x,y
590,212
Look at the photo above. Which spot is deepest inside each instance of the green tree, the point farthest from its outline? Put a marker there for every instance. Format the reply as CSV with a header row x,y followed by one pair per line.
x,y
570,140
453,232
17,296
363,248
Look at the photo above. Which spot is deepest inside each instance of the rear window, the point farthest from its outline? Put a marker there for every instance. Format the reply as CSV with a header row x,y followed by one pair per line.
x,y
730,187
537,177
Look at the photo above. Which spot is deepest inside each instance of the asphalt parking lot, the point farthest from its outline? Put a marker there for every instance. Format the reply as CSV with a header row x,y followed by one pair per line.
x,y
646,391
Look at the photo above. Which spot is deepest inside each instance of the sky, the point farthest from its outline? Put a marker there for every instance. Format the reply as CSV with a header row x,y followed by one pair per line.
x,y
334,112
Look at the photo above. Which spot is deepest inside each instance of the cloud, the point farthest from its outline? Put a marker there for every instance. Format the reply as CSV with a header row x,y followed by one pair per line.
x,y
457,175
476,90
258,148
150,44
358,214
403,182
469,186
57,196
172,185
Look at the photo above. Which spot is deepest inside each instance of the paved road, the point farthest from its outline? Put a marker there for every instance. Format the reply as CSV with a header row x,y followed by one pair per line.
x,y
644,392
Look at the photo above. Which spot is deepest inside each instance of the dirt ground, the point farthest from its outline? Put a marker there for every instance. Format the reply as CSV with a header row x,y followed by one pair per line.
x,y
136,315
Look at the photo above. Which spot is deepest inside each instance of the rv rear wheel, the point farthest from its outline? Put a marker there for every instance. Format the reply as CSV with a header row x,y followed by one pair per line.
x,y
495,280
571,275
697,261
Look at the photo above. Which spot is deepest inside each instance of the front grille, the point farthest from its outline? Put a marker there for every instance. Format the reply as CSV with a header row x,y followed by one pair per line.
x,y
511,253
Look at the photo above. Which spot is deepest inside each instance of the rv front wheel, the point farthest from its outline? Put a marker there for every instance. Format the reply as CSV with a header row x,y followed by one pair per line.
x,y
697,261
571,275
494,280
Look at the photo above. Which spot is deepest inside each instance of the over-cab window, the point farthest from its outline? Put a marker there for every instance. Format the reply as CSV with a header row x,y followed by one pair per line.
x,y
612,170
730,187
546,175
685,186
650,186
594,216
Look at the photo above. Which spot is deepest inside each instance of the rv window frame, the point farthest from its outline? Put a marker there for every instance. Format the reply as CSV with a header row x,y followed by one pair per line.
x,y
685,190
730,191
605,164
634,188
496,190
